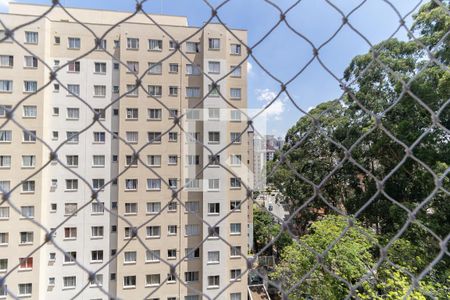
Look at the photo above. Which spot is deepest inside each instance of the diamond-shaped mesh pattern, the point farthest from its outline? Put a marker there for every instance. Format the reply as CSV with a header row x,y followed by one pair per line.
x,y
337,157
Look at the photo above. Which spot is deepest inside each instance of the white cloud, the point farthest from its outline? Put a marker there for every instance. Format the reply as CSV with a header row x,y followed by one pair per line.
x,y
276,109
249,66
4,3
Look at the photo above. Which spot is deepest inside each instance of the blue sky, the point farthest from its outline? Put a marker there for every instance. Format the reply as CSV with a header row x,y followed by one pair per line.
x,y
283,52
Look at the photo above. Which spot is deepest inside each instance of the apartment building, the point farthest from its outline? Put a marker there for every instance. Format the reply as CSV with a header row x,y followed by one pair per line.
x,y
113,212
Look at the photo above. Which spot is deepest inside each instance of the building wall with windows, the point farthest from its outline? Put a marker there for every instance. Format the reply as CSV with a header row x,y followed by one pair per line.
x,y
171,232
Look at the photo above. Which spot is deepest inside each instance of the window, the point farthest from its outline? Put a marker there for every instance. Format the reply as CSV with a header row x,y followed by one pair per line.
x,y
192,160
70,257
191,206
152,255
235,251
25,263
155,90
214,44
73,113
172,207
25,289
130,256
131,184
3,266
213,281
193,69
216,232
4,238
173,183
5,186
213,184
193,92
29,86
70,233
191,276
133,67
132,136
235,205
99,137
235,228
172,44
74,43
6,85
235,115
236,49
101,113
235,296
98,161
71,184
155,45
173,91
153,207
101,45
192,47
154,160
154,113
235,274
130,160
116,44
171,253
154,68
26,237
214,67
56,111
31,37
235,183
173,136
132,90
5,135
74,66
28,161
5,161
131,208
4,213
31,62
152,280
154,184
97,255
235,159
154,137
129,281
3,110
214,113
235,93
99,90
29,111
53,207
7,60
236,71
214,137
98,280
192,183
173,113
98,183
132,114
214,257
69,281
153,231
214,92
99,67
27,211
29,136
193,114
214,160
192,229
74,89
235,137
55,135
213,208
28,186
172,229
173,68
115,90
72,160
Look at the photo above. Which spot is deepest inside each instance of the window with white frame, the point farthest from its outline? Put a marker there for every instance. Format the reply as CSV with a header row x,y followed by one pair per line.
x,y
192,160
235,183
173,183
235,205
5,161
31,37
132,90
152,255
235,93
98,207
132,43
131,184
172,206
27,211
70,233
99,136
74,43
97,281
173,136
214,67
69,281
4,213
129,256
28,186
70,257
29,136
153,207
173,90
3,267
31,62
71,184
213,208
3,110
191,206
154,68
193,47
101,45
99,90
29,86
74,89
6,85
192,253
154,113
26,237
5,135
213,257
73,66
152,279
235,159
29,111
235,228
129,281
235,274
4,238
96,255
192,229
214,91
236,71
173,68
132,136
213,281
214,44
72,160
235,296
73,113
155,45
213,184
171,253
130,160
132,113
100,67
213,113
235,251
154,160
154,137
235,115
101,113
154,184
172,229
98,161
97,231
5,186
25,289
131,208
235,49
192,92
153,231
133,67
214,137
155,90
192,69
98,183
7,61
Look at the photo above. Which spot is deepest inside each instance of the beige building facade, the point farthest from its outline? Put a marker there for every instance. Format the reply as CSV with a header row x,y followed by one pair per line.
x,y
168,220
